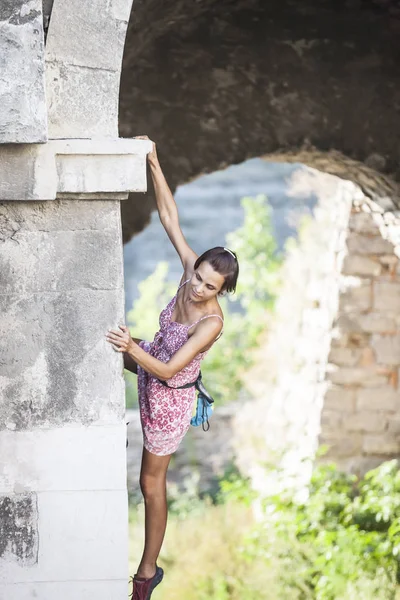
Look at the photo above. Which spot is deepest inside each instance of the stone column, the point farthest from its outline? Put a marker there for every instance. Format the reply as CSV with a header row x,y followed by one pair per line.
x,y
63,497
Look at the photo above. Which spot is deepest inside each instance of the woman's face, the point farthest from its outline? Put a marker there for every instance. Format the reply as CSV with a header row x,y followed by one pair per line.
x,y
205,283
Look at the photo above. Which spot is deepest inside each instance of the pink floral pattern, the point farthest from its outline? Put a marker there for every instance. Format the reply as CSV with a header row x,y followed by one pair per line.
x,y
165,413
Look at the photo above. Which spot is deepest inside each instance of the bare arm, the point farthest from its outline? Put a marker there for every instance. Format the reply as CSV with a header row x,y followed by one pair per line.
x,y
205,333
168,212
129,363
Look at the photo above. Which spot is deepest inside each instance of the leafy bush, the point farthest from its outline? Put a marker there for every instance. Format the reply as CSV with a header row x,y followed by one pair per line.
x,y
341,544
245,313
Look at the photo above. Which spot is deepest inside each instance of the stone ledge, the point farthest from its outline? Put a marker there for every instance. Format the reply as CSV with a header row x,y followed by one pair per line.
x,y
73,168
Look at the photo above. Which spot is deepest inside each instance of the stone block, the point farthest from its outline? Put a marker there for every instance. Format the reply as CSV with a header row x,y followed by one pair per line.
x,y
387,348
91,528
52,368
74,110
88,34
356,295
340,399
65,167
331,419
368,244
390,261
102,215
363,222
22,73
386,296
96,173
393,421
66,458
340,445
371,421
375,322
65,590
365,377
379,399
363,266
346,357
381,444
77,260
121,9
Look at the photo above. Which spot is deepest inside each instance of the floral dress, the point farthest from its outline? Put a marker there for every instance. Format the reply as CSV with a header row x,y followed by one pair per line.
x,y
165,413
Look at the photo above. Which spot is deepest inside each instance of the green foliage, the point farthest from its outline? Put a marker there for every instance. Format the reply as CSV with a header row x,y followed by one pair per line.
x,y
333,546
245,314
348,531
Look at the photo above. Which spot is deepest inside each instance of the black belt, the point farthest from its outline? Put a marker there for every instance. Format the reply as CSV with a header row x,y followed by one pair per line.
x,y
198,384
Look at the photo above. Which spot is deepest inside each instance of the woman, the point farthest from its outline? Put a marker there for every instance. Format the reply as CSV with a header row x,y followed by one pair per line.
x,y
189,326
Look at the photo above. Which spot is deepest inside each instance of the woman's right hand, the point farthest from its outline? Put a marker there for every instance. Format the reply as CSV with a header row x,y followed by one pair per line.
x,y
152,156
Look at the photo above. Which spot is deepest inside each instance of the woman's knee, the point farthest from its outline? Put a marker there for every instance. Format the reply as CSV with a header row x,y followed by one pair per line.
x,y
152,485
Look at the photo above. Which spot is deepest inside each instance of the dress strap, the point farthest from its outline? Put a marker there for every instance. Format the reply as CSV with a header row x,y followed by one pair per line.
x,y
182,284
206,317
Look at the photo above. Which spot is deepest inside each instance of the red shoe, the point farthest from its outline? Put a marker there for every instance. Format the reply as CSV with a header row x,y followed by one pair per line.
x,y
143,588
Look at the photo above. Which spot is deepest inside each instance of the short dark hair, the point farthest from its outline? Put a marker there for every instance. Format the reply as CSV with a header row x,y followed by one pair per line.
x,y
225,262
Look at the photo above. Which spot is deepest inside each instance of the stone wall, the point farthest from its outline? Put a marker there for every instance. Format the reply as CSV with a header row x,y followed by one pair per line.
x,y
328,370
63,497
361,416
288,383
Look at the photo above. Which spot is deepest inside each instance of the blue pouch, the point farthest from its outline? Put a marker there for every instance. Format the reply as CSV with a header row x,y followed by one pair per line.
x,y
204,402
204,411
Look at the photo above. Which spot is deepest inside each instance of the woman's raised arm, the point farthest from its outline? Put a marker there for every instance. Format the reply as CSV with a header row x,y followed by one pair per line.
x,y
168,211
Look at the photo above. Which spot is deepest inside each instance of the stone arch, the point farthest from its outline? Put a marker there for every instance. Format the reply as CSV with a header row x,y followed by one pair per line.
x,y
84,47
215,83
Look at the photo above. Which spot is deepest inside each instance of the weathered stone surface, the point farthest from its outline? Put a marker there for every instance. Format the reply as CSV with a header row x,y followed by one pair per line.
x,y
394,423
347,357
49,381
365,377
364,223
375,323
23,114
77,260
340,399
41,217
356,295
98,35
383,398
97,550
77,458
59,316
74,110
340,445
74,166
84,53
387,348
19,537
361,265
371,244
386,296
365,421
381,444
64,590
331,419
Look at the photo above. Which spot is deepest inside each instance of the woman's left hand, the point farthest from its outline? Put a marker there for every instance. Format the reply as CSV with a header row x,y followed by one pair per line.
x,y
120,340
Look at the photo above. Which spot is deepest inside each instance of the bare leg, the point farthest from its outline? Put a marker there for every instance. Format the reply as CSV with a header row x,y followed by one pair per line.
x,y
153,478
